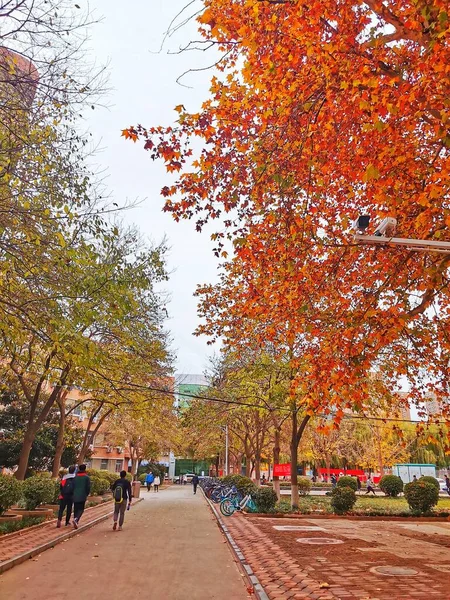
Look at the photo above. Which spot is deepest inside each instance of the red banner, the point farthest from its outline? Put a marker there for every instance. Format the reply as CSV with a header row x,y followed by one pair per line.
x,y
282,470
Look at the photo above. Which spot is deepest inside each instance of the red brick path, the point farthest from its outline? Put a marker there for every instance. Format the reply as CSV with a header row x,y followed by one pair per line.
x,y
316,578
21,542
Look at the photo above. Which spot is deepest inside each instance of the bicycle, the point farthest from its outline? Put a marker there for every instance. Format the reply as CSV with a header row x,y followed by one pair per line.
x,y
229,506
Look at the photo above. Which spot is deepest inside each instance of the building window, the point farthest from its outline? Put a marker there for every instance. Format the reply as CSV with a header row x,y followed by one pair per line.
x,y
119,465
104,464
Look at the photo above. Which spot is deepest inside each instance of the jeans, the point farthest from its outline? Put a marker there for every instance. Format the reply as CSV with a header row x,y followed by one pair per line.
x,y
65,504
78,509
119,509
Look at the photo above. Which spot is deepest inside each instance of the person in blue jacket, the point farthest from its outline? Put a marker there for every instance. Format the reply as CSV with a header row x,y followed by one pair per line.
x,y
149,478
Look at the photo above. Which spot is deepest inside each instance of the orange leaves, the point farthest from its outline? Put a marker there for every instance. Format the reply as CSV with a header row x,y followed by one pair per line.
x,y
130,134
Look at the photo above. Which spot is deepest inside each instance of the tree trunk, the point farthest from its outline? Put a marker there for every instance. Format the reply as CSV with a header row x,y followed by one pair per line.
x,y
28,440
276,460
328,465
59,442
248,465
258,470
294,459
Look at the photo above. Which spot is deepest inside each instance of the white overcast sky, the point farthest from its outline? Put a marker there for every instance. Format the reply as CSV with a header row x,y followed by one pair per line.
x,y
144,90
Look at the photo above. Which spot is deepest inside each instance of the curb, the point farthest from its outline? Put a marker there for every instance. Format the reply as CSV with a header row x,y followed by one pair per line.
x,y
252,580
20,558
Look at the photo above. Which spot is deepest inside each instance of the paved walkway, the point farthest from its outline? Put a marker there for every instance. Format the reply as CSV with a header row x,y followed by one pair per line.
x,y
342,562
170,549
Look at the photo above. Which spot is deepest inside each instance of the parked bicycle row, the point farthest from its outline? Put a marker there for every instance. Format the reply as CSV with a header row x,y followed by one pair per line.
x,y
229,498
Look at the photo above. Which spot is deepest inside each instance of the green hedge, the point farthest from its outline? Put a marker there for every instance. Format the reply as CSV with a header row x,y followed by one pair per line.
x,y
421,496
391,485
343,499
37,490
347,481
304,485
265,499
10,492
99,486
244,484
432,480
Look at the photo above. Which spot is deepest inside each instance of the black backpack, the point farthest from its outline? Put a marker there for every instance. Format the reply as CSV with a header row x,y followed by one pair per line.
x,y
69,487
118,494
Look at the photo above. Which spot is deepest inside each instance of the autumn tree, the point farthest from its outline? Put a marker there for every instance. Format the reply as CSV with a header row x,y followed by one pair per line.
x,y
313,118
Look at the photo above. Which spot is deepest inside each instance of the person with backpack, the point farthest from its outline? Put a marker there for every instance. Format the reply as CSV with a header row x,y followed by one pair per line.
x,y
121,492
66,488
149,480
82,487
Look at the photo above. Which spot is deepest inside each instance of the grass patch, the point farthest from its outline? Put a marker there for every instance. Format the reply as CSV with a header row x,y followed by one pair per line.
x,y
365,506
12,526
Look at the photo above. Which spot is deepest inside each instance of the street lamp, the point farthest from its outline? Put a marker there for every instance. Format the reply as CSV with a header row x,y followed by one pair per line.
x,y
384,237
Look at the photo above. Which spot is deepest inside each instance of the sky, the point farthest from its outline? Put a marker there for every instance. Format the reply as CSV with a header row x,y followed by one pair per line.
x,y
144,91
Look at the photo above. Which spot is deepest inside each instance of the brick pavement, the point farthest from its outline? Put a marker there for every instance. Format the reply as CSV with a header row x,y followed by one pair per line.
x,y
18,543
329,572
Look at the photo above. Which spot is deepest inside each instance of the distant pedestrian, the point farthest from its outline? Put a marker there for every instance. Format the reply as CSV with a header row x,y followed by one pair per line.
x,y
122,498
156,483
195,481
82,487
358,483
447,483
149,478
414,478
66,488
333,480
184,479
370,487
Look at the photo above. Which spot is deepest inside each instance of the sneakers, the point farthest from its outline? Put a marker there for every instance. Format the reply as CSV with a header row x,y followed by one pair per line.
x,y
68,523
120,527
75,523
58,523
114,526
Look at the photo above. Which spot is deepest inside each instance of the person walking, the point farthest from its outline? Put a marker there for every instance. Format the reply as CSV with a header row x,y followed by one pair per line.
x,y
66,488
149,478
370,487
121,492
156,483
358,483
447,483
195,481
333,480
82,487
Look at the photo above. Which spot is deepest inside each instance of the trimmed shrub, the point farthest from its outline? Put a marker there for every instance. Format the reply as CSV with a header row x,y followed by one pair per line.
x,y
99,486
421,496
10,492
391,485
432,480
244,484
265,499
348,481
38,490
343,499
110,477
304,485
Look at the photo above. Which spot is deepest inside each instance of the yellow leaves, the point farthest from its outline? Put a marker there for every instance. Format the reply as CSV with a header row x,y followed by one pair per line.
x,y
371,173
206,17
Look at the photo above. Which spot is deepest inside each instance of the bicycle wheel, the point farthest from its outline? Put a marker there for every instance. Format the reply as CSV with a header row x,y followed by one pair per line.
x,y
227,508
